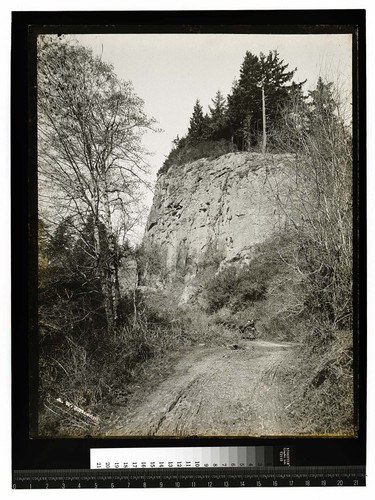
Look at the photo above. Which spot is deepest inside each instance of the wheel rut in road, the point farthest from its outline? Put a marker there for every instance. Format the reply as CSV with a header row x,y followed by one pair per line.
x,y
215,391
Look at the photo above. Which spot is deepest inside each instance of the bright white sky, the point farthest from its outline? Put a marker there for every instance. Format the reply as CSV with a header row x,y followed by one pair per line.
x,y
170,71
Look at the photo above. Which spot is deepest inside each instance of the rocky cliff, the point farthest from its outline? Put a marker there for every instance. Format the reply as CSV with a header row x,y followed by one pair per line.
x,y
216,210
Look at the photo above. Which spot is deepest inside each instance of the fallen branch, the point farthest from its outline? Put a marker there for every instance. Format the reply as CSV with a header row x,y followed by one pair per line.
x,y
290,404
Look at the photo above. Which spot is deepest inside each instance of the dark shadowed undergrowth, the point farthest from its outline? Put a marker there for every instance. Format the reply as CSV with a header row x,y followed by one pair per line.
x,y
319,386
98,375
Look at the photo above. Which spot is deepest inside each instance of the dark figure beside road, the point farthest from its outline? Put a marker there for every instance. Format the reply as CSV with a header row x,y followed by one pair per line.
x,y
248,330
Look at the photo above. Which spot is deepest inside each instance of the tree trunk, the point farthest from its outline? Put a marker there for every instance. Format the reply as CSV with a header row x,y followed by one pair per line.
x,y
112,267
107,268
264,143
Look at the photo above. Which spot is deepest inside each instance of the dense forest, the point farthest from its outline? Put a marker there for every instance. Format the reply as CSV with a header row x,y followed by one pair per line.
x,y
96,334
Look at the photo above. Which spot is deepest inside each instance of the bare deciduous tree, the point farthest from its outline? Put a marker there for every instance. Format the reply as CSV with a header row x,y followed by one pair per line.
x,y
90,159
318,201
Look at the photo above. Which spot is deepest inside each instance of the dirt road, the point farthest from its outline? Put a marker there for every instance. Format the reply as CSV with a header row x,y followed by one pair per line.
x,y
211,391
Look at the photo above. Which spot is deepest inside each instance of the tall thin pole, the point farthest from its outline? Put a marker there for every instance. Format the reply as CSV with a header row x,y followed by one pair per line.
x,y
264,144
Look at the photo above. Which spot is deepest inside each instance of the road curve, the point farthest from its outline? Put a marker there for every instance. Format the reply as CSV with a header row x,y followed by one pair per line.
x,y
215,391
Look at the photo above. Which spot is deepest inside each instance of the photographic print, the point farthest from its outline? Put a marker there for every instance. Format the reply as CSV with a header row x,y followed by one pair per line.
x,y
195,234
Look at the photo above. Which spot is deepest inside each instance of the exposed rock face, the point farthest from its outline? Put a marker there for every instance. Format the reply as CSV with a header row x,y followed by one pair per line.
x,y
216,210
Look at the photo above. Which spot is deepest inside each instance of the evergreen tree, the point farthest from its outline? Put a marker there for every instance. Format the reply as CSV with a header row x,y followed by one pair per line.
x,y
245,101
218,120
323,116
219,105
322,103
296,94
275,79
198,130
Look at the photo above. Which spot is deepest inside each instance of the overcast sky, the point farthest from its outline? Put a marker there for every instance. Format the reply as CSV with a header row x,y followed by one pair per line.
x,y
170,71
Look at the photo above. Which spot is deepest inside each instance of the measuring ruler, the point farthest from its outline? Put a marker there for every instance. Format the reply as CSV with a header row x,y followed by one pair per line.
x,y
291,476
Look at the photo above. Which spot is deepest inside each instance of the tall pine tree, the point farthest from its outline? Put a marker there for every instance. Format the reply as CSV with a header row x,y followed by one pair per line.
x,y
322,102
245,101
324,118
198,129
218,120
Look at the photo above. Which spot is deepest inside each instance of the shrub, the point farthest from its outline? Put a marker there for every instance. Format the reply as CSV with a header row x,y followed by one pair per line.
x,y
321,175
320,384
188,152
151,263
221,288
237,287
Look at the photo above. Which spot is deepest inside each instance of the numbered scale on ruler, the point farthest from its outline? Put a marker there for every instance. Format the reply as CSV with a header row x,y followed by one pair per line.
x,y
191,478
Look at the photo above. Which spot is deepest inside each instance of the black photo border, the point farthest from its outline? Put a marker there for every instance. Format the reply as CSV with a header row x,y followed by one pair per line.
x,y
72,453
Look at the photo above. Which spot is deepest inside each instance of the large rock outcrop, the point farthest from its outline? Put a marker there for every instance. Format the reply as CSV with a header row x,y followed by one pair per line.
x,y
216,211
